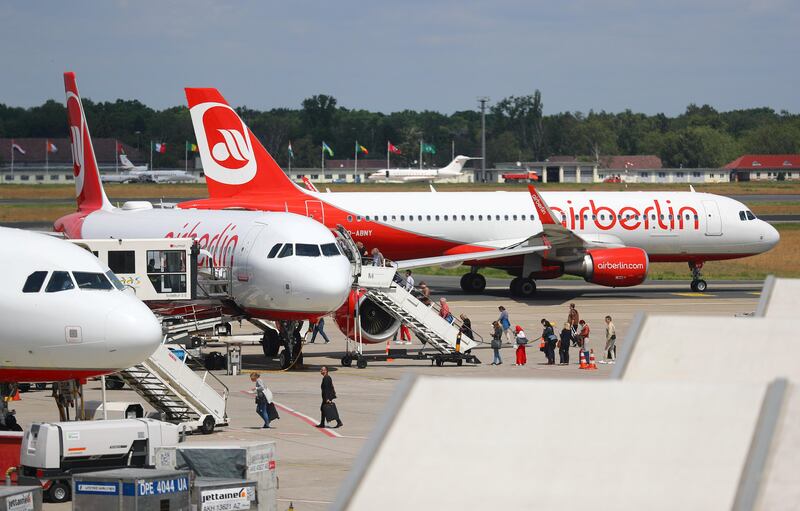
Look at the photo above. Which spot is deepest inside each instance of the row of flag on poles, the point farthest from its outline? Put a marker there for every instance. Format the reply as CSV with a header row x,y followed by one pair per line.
x,y
359,149
48,145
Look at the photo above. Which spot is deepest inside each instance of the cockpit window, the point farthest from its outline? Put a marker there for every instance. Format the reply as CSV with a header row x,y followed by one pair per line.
x,y
750,215
114,280
330,249
274,250
742,216
59,281
34,282
287,251
87,280
307,250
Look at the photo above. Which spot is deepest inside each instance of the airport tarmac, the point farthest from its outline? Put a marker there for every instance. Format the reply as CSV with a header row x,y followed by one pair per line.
x,y
312,463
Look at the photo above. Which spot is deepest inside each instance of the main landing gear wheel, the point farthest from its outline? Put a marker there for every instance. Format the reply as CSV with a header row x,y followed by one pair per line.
x,y
347,361
361,363
473,282
286,358
58,492
524,288
699,286
270,343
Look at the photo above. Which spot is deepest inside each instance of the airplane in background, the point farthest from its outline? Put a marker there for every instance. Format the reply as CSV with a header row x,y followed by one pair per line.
x,y
285,267
139,174
65,315
608,238
452,170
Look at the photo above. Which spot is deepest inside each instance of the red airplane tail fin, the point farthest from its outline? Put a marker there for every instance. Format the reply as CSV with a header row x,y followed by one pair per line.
x,y
88,188
234,161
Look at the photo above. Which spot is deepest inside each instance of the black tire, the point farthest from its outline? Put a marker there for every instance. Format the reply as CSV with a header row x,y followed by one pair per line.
x,y
526,288
478,283
460,362
114,384
208,425
465,281
361,363
438,361
693,286
700,286
194,342
58,492
513,287
286,359
270,343
347,361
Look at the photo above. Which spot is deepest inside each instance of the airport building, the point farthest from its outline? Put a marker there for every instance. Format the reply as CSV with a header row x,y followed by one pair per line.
x,y
764,167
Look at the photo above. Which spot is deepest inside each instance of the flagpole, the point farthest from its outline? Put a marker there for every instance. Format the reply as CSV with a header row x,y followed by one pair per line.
x,y
116,156
387,154
290,159
453,151
323,160
356,169
186,156
420,155
151,155
12,155
47,155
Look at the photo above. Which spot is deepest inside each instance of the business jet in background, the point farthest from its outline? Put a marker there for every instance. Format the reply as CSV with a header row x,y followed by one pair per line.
x,y
608,238
139,174
65,316
452,170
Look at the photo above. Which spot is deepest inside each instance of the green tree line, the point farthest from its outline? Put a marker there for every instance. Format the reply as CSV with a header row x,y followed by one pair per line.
x,y
516,130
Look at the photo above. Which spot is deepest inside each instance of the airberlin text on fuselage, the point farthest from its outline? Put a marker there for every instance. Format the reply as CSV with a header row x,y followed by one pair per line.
x,y
218,244
628,217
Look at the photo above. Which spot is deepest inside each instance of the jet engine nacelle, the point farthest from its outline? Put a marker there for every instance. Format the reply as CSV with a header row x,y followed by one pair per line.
x,y
612,267
377,325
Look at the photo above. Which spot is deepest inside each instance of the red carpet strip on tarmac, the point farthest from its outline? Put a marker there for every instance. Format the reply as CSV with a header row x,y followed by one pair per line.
x,y
305,418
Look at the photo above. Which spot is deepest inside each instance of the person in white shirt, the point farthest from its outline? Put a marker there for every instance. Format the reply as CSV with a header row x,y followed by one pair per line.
x,y
409,281
611,342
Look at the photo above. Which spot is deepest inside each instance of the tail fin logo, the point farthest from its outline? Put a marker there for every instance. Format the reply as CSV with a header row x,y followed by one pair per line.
x,y
224,144
76,132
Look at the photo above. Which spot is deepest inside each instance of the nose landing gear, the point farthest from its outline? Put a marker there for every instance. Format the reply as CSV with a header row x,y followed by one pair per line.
x,y
698,285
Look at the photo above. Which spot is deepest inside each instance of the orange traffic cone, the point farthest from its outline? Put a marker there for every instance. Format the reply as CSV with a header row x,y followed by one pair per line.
x,y
592,364
16,396
583,365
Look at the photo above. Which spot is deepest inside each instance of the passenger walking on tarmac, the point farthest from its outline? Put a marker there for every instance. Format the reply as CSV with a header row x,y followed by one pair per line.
x,y
583,338
328,407
550,340
466,326
319,328
521,341
377,257
573,318
263,398
504,322
409,281
563,344
444,310
611,342
497,342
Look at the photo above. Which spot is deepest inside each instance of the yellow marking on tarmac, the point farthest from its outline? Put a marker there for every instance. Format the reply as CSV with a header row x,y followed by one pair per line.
x,y
703,295
756,293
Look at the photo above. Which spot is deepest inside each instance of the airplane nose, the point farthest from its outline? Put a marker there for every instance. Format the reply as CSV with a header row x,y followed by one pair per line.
x,y
132,332
770,236
327,284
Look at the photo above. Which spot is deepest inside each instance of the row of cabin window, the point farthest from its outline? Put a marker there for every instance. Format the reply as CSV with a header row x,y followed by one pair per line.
x,y
436,218
62,281
281,250
746,215
628,217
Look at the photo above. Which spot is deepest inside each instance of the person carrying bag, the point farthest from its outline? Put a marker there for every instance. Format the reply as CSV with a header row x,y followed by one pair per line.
x,y
521,341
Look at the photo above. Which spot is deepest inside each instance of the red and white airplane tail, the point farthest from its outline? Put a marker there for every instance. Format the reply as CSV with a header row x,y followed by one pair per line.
x,y
234,161
88,189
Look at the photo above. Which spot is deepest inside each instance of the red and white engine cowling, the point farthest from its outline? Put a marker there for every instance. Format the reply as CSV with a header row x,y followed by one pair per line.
x,y
612,267
377,325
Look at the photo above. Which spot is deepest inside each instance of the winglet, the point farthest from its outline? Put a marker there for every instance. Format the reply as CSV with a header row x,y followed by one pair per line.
x,y
308,184
545,214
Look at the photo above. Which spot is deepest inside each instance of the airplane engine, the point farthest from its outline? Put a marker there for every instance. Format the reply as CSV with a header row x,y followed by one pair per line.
x,y
377,325
612,267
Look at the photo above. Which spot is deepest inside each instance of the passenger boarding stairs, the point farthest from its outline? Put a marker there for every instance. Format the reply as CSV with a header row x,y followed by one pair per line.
x,y
381,287
182,395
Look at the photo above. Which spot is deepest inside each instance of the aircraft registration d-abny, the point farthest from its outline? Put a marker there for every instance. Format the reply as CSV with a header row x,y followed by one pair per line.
x,y
65,316
285,267
608,238
451,170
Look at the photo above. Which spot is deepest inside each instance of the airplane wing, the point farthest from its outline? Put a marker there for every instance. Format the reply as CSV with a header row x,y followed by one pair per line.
x,y
456,259
309,185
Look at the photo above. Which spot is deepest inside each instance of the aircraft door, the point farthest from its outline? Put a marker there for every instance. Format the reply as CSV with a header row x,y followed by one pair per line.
x,y
713,219
315,210
243,272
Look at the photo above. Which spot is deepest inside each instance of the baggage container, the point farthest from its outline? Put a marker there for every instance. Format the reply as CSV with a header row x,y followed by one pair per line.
x,y
21,498
219,494
132,489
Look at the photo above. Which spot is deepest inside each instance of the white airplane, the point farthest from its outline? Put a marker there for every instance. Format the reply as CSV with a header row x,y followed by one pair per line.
x,y
608,238
453,169
65,316
285,266
128,166
139,174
